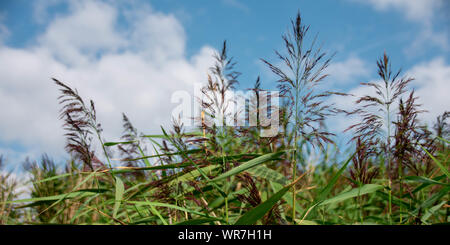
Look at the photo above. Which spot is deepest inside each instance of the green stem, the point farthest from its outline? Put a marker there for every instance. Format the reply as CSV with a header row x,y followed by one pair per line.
x,y
400,170
387,150
390,202
294,156
226,209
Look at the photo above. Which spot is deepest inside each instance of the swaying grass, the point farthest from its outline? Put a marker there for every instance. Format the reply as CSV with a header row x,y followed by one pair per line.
x,y
397,171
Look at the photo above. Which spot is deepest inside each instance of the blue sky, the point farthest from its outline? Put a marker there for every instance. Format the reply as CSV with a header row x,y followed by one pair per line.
x,y
127,55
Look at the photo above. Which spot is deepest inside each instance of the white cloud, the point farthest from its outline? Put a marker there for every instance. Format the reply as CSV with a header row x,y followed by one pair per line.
x,y
426,37
416,10
424,13
159,36
346,71
431,85
236,4
89,29
132,71
40,9
340,122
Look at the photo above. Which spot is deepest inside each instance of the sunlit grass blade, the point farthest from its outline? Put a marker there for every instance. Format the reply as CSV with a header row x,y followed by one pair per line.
x,y
434,198
424,185
268,174
446,141
164,136
431,211
119,143
395,200
155,212
159,204
194,164
363,190
165,154
247,165
58,177
118,196
424,180
75,194
193,174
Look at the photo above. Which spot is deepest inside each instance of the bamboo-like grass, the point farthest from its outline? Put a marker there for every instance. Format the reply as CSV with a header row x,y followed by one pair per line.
x,y
396,171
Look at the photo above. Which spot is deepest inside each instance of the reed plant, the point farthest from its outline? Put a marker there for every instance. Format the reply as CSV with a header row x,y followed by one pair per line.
x,y
395,170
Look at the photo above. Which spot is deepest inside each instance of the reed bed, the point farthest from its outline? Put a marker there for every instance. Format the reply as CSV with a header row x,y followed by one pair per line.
x,y
396,171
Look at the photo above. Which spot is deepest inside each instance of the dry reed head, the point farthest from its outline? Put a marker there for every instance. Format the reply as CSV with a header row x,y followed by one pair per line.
x,y
130,134
369,129
441,127
221,80
307,109
253,198
79,122
362,171
408,134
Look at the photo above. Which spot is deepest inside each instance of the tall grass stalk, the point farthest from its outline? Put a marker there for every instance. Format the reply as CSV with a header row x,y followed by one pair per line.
x,y
232,175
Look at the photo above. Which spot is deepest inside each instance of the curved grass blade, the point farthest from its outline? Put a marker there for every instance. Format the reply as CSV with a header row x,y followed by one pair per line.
x,y
259,211
446,141
434,198
77,186
431,200
195,165
365,189
424,185
192,174
165,154
442,167
158,204
80,212
247,165
40,200
57,177
325,191
118,196
431,211
424,180
287,197
395,200
119,143
155,212
164,136
268,174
